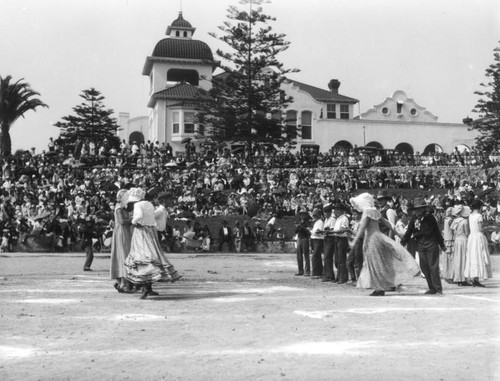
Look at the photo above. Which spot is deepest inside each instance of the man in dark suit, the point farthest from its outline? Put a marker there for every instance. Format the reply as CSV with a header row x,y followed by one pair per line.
x,y
247,237
226,236
424,227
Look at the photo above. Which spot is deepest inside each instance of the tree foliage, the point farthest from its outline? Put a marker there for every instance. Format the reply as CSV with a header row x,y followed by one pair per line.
x,y
246,100
16,98
91,121
488,108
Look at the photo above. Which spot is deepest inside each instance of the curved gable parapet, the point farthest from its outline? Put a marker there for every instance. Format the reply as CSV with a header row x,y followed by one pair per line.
x,y
399,107
295,89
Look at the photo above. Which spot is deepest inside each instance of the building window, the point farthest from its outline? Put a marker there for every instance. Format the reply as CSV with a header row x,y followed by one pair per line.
x,y
306,123
385,111
291,123
331,111
344,111
399,108
189,122
177,34
175,122
413,111
185,34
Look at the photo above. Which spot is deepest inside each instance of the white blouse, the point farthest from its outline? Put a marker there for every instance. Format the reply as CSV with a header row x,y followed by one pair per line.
x,y
144,214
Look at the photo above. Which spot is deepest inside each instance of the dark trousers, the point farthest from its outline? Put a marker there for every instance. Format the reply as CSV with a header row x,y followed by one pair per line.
x,y
317,260
328,272
429,264
341,246
303,256
355,260
89,251
230,244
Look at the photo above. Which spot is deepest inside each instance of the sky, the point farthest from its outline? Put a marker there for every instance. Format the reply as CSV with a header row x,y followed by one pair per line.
x,y
436,51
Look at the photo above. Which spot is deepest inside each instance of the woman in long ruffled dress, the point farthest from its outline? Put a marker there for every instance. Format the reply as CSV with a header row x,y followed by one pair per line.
x,y
477,259
446,256
460,228
146,262
120,243
386,264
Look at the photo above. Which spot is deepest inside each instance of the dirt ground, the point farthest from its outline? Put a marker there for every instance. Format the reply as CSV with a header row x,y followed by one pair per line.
x,y
237,317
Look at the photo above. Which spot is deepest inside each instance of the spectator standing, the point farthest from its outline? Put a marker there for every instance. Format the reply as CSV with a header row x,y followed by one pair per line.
x,y
477,261
226,237
355,255
387,212
237,236
88,236
460,230
317,237
329,245
247,237
341,230
303,234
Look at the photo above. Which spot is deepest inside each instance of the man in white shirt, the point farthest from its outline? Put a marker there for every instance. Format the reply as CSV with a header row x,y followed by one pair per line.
x,y
316,240
329,244
341,231
161,215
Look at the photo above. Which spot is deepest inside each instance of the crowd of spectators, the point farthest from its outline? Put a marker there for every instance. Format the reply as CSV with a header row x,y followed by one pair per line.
x,y
56,193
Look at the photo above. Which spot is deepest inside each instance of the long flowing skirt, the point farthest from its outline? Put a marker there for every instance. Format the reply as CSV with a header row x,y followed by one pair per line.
x,y
445,259
120,247
386,263
477,259
146,261
457,265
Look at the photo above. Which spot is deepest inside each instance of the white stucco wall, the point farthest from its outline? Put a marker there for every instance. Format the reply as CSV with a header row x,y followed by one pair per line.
x,y
390,134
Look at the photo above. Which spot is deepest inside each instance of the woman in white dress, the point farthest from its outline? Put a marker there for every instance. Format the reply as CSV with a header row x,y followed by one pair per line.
x,y
386,263
477,259
460,229
146,262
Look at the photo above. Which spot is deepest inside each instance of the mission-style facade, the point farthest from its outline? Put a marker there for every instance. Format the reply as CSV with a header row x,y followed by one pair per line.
x,y
181,68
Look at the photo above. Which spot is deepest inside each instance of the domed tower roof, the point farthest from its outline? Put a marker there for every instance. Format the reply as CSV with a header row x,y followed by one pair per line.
x,y
180,24
183,49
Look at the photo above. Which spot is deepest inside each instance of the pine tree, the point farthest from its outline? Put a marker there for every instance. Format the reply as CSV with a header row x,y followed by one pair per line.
x,y
488,108
246,100
91,121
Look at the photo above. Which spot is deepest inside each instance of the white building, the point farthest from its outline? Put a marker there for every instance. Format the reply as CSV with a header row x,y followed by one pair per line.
x,y
180,69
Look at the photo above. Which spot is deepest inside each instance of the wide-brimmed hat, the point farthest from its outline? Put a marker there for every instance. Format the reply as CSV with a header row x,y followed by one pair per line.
x,y
328,208
136,194
419,202
461,210
383,194
362,201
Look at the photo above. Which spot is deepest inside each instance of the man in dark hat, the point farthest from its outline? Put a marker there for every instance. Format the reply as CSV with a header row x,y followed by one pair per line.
x,y
385,208
303,234
424,227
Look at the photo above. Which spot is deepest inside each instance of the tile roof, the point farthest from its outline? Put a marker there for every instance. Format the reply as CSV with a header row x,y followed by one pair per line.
x,y
322,95
183,48
182,91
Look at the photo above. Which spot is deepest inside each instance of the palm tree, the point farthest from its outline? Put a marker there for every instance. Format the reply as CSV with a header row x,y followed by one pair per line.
x,y
15,100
